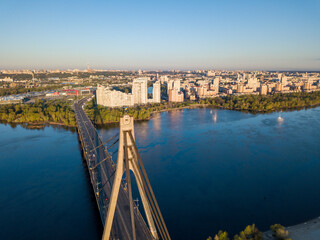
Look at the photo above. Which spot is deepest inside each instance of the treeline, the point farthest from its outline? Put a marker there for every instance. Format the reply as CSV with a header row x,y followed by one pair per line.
x,y
19,90
253,103
266,103
53,111
103,115
251,232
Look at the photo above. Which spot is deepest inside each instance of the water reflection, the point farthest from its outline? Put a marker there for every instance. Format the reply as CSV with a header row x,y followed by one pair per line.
x,y
38,127
174,118
214,114
156,123
280,121
143,128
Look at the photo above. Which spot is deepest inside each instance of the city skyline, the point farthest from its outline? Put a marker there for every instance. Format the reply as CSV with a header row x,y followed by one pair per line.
x,y
183,35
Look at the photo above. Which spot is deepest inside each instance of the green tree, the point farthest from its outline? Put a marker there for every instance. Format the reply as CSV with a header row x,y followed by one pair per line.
x,y
280,232
251,232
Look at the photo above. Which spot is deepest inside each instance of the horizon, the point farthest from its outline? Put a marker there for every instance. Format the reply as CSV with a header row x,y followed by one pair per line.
x,y
158,70
182,35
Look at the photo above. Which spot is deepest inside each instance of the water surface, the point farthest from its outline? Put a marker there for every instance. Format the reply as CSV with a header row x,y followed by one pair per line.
x,y
220,169
45,188
210,170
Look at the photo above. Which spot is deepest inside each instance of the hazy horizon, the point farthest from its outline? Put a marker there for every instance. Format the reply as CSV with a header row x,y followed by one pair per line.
x,y
183,35
155,70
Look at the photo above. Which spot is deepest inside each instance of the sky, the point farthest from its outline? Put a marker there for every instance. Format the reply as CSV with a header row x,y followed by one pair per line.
x,y
160,35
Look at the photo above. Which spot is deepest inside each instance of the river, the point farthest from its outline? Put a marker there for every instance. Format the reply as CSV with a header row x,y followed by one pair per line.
x,y
210,170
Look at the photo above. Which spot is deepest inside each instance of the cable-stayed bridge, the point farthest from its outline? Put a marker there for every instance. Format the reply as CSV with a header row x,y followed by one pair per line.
x,y
120,216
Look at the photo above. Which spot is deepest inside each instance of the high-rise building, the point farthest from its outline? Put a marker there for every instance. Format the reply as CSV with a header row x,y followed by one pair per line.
x,y
263,89
306,86
284,81
156,92
176,96
240,88
239,77
176,85
140,90
169,86
278,87
113,98
216,82
252,83
99,94
173,84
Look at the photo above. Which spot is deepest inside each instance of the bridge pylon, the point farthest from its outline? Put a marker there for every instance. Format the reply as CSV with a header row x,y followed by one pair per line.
x,y
129,160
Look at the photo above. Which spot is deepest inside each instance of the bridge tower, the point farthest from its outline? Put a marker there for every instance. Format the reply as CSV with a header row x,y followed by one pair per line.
x,y
129,160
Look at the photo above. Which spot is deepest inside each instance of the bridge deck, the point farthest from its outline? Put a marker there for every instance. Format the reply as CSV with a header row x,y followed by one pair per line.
x,y
102,180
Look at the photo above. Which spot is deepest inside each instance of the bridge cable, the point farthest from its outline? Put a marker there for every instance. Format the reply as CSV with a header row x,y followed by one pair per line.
x,y
113,144
153,212
129,186
105,141
108,180
149,185
153,209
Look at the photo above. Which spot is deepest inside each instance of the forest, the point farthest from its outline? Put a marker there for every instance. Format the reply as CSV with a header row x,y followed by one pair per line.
x,y
51,111
266,103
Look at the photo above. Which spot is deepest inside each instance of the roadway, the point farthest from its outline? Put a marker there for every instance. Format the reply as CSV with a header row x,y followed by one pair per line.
x,y
101,175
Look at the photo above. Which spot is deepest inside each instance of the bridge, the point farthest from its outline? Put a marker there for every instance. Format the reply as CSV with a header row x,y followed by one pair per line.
x,y
120,217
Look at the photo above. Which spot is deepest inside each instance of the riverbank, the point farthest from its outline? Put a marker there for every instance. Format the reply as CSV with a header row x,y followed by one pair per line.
x,y
60,112
102,116
38,125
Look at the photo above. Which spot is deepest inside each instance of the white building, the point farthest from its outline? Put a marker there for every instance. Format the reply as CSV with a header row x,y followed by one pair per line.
x,y
173,84
156,92
6,79
177,85
284,80
113,98
169,85
140,90
253,83
216,82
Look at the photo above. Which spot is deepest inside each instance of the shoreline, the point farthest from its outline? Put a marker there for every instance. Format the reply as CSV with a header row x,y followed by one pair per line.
x,y
198,106
39,125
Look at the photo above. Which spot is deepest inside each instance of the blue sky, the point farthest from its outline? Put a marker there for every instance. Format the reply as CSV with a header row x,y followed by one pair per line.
x,y
216,34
